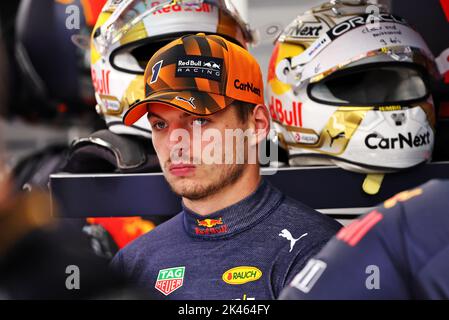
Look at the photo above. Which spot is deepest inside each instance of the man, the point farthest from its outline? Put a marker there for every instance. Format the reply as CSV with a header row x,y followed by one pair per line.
x,y
237,237
400,250
117,68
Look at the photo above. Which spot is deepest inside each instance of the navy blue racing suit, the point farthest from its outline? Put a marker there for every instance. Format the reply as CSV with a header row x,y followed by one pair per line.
x,y
400,250
249,250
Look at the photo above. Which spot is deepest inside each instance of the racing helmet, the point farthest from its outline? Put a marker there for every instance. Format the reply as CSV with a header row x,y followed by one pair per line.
x,y
48,85
128,33
348,84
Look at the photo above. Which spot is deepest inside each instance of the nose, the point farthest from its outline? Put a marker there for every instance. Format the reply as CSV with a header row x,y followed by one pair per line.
x,y
179,144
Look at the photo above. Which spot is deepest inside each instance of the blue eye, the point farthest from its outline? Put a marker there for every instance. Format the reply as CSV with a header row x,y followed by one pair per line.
x,y
159,125
200,121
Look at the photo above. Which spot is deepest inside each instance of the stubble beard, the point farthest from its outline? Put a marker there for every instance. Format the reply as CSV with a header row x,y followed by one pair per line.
x,y
199,190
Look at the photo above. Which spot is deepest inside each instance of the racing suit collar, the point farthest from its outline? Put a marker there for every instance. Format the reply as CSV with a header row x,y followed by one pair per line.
x,y
235,218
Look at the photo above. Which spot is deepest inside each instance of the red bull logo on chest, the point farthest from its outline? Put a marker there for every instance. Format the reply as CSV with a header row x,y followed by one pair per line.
x,y
210,226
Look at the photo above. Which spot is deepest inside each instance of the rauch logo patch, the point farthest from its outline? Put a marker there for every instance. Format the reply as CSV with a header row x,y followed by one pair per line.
x,y
241,275
199,67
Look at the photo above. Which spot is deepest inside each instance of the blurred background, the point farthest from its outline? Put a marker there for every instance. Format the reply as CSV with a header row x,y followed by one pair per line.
x,y
51,100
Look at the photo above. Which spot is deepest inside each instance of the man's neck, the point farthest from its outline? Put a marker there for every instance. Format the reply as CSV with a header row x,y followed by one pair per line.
x,y
229,195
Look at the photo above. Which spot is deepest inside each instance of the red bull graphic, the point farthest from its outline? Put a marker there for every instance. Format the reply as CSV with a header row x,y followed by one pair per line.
x,y
205,7
289,118
210,225
101,82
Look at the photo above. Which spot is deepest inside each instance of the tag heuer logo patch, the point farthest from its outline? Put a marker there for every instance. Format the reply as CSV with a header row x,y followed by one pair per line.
x,y
199,67
168,280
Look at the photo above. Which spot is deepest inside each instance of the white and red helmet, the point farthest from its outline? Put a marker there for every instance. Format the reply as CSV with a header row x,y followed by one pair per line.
x,y
348,84
129,32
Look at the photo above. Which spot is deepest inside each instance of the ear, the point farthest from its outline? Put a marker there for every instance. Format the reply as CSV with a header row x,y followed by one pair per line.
x,y
261,121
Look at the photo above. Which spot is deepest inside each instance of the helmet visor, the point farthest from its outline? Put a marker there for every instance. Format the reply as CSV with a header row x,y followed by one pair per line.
x,y
372,86
134,58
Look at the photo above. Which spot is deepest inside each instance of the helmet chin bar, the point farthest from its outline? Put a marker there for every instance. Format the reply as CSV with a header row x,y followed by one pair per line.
x,y
308,160
317,160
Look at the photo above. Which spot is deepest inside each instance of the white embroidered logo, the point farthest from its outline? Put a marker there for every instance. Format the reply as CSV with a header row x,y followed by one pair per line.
x,y
287,235
189,101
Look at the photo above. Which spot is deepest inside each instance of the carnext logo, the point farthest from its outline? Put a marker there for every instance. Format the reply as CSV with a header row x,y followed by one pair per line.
x,y
248,86
374,141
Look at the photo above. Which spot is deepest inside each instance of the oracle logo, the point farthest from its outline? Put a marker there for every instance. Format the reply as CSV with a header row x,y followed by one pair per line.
x,y
358,21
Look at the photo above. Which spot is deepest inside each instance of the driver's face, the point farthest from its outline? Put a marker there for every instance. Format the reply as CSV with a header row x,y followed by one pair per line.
x,y
193,177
